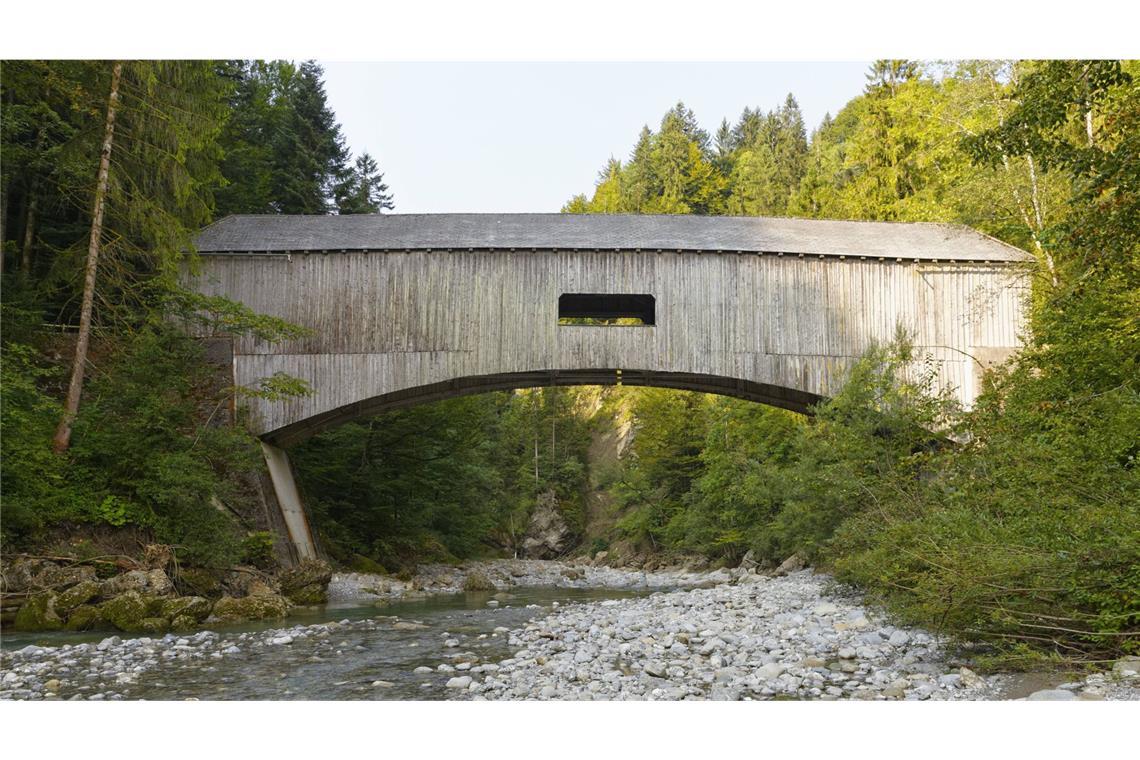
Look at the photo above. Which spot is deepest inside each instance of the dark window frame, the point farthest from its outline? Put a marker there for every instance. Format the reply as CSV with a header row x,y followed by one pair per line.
x,y
605,309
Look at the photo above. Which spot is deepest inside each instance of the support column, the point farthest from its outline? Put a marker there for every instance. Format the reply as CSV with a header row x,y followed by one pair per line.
x,y
289,499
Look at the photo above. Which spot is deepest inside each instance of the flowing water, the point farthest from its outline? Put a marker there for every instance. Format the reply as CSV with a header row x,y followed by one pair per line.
x,y
346,663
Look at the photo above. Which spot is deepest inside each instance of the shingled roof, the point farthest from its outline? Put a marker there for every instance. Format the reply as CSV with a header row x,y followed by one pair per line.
x,y
399,232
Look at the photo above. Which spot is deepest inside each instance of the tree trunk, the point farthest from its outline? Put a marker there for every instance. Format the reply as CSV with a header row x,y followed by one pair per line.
x,y
75,388
29,233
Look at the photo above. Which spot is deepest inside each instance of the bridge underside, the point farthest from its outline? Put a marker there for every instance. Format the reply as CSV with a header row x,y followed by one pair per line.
x,y
772,395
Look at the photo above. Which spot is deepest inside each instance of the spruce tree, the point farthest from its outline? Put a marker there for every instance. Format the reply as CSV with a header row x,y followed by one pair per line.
x,y
284,151
364,191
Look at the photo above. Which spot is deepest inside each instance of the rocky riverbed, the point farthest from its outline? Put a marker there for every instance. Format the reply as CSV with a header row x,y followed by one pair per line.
x,y
758,638
509,573
724,635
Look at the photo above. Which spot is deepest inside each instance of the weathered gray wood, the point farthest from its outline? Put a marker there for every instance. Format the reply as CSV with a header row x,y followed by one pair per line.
x,y
394,328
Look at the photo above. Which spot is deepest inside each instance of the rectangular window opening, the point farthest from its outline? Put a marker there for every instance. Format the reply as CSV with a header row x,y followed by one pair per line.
x,y
610,309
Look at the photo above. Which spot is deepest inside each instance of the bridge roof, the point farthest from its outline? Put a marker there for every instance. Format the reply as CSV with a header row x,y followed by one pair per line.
x,y
388,232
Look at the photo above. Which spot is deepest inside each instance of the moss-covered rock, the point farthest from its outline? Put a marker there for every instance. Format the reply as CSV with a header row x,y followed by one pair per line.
x,y
361,564
307,583
259,607
182,623
315,594
38,613
196,608
477,580
154,582
240,581
84,618
80,593
27,574
200,582
153,625
129,610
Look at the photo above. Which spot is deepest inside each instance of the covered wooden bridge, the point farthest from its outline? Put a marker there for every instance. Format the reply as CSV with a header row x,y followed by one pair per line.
x,y
412,308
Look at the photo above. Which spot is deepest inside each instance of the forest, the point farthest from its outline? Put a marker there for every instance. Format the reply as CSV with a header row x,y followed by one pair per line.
x,y
1015,524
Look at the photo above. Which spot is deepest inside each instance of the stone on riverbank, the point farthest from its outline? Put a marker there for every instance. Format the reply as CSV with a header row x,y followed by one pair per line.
x,y
81,593
258,607
196,608
38,613
84,618
1128,667
307,583
792,564
200,582
31,574
128,610
477,580
154,582
1051,695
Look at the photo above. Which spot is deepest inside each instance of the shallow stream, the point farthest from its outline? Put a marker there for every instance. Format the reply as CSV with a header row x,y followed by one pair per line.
x,y
344,664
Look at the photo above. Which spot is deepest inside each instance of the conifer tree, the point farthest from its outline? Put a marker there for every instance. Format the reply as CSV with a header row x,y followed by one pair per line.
x,y
284,152
364,191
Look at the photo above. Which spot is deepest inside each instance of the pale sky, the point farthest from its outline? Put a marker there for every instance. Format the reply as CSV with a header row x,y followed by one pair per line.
x,y
525,137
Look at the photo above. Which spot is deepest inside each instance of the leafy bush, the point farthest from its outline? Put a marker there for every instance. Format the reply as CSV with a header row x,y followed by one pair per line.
x,y
257,549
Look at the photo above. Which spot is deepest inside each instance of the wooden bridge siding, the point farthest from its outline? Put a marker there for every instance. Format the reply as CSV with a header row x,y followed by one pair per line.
x,y
390,321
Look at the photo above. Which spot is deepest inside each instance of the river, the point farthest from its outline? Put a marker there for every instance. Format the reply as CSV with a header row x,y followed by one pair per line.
x,y
593,634
365,646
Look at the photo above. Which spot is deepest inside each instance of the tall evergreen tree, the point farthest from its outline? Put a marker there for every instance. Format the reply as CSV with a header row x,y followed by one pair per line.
x,y
364,191
284,150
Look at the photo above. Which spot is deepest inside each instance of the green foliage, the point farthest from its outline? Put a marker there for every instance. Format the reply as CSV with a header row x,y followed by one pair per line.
x,y
257,549
34,479
118,512
218,315
150,451
448,480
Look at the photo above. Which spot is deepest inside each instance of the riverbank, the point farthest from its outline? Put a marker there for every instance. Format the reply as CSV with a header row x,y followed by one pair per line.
x,y
727,635
792,637
503,574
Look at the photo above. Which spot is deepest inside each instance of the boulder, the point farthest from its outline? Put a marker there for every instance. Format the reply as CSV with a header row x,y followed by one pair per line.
x,y
80,593
1129,667
129,610
790,565
242,581
182,623
38,613
258,587
153,582
38,574
477,580
153,625
307,583
200,582
84,618
1051,695
196,608
547,534
258,607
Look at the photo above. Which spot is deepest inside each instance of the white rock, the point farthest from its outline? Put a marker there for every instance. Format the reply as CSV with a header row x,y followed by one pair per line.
x,y
1051,695
459,682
